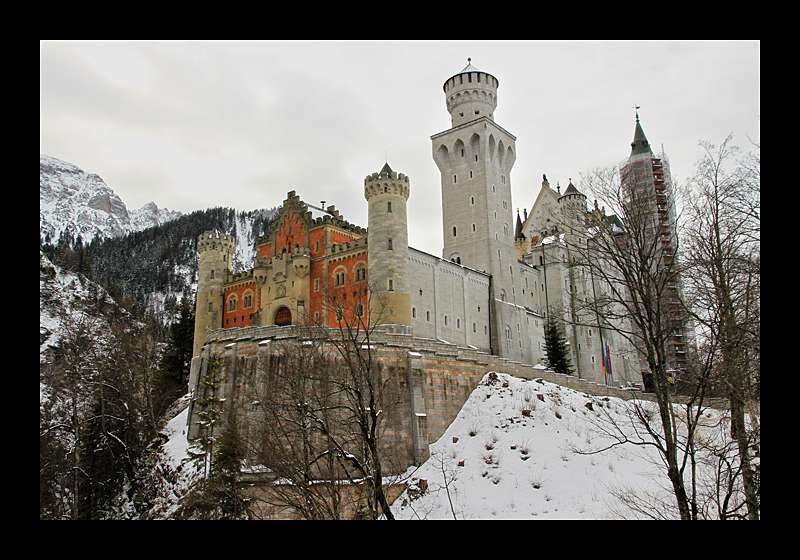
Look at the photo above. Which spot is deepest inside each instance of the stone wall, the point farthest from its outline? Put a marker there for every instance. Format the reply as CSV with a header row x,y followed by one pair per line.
x,y
434,377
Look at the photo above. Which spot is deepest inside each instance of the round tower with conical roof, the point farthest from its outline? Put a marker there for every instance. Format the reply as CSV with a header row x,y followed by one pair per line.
x,y
215,250
387,247
573,209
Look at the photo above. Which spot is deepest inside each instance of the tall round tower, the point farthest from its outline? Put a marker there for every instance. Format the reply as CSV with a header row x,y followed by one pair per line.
x,y
387,247
215,250
470,94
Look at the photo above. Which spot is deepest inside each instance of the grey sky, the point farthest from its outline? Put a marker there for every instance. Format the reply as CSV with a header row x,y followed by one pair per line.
x,y
191,125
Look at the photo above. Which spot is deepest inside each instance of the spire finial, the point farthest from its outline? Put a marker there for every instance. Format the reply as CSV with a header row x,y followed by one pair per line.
x,y
637,107
469,60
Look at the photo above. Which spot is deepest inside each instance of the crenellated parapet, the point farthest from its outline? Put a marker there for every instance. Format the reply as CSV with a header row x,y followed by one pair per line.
x,y
386,182
214,240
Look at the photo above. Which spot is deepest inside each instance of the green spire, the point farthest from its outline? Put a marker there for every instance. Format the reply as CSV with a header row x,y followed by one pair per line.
x,y
640,145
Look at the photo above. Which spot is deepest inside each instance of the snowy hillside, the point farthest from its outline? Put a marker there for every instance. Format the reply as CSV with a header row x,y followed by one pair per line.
x,y
74,202
514,452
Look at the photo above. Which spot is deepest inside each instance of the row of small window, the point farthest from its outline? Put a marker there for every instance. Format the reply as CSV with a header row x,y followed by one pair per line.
x,y
446,321
247,301
506,231
472,201
340,277
472,176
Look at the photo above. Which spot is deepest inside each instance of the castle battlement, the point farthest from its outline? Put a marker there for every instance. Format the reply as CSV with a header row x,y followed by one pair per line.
x,y
214,239
386,182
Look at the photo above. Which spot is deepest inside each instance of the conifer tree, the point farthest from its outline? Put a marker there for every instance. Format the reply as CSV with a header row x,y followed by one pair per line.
x,y
178,354
557,348
209,412
226,465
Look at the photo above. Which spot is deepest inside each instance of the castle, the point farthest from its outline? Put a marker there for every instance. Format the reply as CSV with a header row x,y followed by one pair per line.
x,y
488,296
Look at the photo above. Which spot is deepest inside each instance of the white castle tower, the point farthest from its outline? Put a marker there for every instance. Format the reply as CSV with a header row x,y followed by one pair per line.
x,y
475,158
387,247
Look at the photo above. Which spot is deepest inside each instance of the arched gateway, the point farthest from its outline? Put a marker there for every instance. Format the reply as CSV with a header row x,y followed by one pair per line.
x,y
283,317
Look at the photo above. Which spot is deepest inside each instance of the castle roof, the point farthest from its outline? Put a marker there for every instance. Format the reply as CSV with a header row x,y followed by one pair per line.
x,y
640,145
386,170
469,67
570,190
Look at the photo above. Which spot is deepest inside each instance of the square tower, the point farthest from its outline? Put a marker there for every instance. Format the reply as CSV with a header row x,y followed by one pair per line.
x,y
475,158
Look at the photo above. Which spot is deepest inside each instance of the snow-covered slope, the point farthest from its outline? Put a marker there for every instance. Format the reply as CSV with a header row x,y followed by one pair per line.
x,y
516,451
78,203
497,461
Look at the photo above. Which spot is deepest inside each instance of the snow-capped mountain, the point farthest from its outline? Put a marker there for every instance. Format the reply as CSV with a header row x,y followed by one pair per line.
x,y
74,202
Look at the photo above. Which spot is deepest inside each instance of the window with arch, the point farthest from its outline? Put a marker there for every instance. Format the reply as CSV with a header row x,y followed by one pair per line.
x,y
247,300
508,332
339,276
231,304
360,273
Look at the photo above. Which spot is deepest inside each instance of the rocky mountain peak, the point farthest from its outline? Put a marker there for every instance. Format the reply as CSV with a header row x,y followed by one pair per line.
x,y
77,203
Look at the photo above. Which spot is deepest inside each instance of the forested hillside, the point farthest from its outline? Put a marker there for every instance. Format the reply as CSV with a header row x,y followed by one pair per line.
x,y
149,271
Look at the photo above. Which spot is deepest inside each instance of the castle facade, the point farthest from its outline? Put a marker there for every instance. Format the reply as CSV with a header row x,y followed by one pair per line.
x,y
496,283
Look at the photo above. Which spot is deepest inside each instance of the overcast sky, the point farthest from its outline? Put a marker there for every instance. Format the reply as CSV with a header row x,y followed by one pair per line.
x,y
191,125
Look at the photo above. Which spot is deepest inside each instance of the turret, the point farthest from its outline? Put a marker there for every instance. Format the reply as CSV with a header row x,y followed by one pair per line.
x,y
215,250
390,300
471,94
573,208
640,145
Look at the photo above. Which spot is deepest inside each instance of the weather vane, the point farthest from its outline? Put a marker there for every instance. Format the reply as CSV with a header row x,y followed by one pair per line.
x,y
637,107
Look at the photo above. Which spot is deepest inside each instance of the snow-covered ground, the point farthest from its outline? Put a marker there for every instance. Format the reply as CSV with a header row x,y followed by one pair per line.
x,y
516,451
496,462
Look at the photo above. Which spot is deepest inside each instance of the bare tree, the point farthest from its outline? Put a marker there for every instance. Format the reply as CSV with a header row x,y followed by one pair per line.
x,y
715,286
723,254
638,296
324,400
